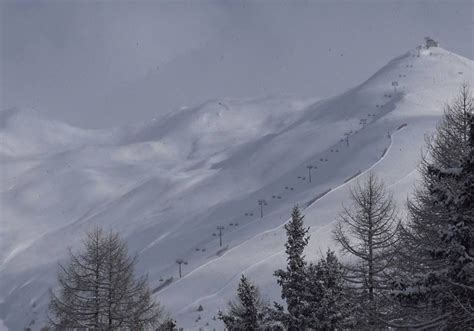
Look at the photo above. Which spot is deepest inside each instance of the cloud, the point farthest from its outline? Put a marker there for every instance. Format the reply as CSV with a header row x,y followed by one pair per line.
x,y
97,64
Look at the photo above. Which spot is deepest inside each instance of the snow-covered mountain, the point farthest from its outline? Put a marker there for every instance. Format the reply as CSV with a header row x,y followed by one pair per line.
x,y
167,184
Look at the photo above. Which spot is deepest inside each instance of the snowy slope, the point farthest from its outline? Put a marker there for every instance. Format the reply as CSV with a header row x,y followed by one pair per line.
x,y
166,184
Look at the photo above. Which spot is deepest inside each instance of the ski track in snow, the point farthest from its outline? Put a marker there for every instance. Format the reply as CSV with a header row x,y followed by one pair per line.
x,y
282,225
229,251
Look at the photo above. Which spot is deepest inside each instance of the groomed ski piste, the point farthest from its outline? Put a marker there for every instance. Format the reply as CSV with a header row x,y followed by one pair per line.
x,y
168,184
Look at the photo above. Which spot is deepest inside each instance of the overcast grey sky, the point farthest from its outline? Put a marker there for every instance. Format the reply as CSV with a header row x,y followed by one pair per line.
x,y
109,63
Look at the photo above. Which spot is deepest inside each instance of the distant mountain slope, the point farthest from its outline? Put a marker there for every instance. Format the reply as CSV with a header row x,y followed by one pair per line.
x,y
24,133
166,185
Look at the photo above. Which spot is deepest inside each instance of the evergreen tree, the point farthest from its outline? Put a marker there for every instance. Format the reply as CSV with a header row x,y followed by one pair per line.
x,y
450,143
368,232
98,288
447,286
329,306
435,254
446,148
292,280
456,196
248,312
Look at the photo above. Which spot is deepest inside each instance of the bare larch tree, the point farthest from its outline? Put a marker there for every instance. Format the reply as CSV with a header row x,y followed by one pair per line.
x,y
98,288
368,232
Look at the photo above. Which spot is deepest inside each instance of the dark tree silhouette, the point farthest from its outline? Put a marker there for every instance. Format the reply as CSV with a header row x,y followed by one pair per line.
x,y
292,280
248,313
98,289
436,250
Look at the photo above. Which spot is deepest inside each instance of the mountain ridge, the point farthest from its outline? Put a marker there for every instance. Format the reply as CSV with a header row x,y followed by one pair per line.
x,y
167,191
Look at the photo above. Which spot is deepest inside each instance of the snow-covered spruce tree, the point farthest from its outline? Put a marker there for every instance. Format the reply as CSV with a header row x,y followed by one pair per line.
x,y
451,141
293,280
248,313
329,306
98,289
446,288
449,148
445,149
368,233
455,193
